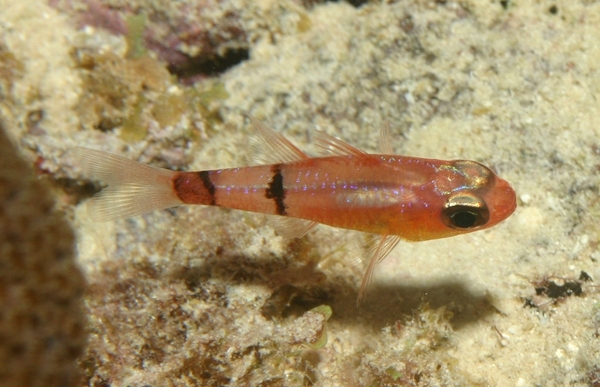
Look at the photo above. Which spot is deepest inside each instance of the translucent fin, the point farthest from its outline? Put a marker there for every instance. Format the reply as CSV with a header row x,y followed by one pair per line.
x,y
331,146
385,139
378,253
291,227
270,147
133,188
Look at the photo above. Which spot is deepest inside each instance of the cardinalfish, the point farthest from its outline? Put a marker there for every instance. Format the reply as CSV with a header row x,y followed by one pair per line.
x,y
396,197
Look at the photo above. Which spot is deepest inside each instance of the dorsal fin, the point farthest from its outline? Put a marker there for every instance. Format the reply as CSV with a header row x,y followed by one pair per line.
x,y
270,147
331,146
385,139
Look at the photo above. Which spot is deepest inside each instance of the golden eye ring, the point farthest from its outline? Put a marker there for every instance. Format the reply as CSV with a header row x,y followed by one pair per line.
x,y
465,211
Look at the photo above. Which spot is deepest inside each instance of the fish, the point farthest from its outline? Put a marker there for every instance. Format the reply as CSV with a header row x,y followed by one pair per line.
x,y
394,197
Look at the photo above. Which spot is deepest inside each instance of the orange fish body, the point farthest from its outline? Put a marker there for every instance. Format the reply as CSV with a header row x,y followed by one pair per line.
x,y
381,194
397,197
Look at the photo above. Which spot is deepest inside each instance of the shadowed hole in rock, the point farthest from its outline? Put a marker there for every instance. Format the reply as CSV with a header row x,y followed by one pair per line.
x,y
354,3
202,65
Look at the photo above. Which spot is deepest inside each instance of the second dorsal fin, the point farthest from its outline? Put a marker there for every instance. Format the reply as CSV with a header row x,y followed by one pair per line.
x,y
331,146
270,147
385,143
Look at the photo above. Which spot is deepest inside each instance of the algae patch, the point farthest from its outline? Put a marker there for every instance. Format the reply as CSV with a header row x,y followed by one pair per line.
x,y
130,93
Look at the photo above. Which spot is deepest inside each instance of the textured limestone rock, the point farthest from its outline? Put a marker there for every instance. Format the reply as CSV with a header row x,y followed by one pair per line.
x,y
41,305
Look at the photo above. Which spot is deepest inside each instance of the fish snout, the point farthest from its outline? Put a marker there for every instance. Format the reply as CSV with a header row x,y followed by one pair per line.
x,y
502,201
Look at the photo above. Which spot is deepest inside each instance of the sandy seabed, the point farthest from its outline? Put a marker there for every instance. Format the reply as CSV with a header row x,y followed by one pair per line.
x,y
212,297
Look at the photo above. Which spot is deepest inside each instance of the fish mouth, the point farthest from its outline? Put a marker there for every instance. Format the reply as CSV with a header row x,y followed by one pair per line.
x,y
503,201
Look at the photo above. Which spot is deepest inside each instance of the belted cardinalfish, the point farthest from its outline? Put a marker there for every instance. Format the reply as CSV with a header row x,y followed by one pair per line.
x,y
397,197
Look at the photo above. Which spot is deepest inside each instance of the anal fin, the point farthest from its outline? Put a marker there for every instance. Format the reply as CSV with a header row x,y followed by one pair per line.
x,y
291,227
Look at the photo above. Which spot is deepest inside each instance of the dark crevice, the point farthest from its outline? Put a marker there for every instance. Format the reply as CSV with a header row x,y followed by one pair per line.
x,y
354,3
77,190
357,3
209,66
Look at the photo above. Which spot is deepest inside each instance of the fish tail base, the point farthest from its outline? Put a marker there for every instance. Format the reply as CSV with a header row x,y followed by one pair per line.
x,y
195,188
133,188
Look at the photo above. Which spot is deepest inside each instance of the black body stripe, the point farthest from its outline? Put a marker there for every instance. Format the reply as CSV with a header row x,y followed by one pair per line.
x,y
276,190
210,187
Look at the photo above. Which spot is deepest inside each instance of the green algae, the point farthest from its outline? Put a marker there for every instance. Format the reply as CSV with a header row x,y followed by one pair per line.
x,y
136,25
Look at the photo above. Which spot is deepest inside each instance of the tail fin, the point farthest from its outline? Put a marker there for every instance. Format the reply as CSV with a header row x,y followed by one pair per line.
x,y
133,188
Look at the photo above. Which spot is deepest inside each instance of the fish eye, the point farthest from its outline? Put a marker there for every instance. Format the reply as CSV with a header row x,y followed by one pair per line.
x,y
465,211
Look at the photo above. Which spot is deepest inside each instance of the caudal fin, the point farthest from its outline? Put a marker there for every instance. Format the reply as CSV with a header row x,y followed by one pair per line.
x,y
133,188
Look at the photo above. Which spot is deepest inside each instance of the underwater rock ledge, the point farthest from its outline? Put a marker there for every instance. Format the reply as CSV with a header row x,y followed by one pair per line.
x,y
42,324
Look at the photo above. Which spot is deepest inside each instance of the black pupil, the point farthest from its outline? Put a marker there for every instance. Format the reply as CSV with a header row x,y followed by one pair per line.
x,y
463,219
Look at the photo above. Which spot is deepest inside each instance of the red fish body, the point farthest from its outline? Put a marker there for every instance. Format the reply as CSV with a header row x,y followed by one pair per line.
x,y
395,196
381,194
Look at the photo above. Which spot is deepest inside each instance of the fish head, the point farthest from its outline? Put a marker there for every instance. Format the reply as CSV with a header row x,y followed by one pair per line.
x,y
474,198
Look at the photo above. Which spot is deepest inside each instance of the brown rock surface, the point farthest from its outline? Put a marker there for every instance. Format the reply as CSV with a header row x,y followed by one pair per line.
x,y
41,306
